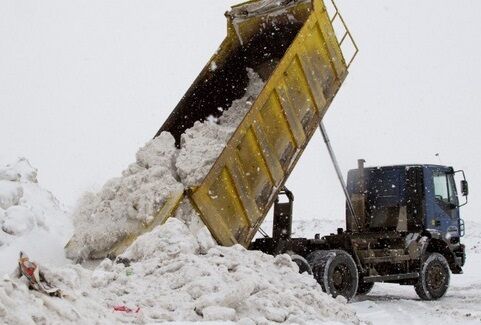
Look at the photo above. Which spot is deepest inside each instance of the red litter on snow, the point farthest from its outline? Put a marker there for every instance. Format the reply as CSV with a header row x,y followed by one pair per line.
x,y
125,309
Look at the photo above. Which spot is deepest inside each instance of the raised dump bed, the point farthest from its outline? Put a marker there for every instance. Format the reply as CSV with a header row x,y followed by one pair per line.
x,y
293,47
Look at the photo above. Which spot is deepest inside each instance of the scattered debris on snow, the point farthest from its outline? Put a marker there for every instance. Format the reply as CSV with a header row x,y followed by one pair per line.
x,y
35,276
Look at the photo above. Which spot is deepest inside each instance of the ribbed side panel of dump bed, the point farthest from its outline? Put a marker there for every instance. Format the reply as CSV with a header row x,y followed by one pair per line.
x,y
239,190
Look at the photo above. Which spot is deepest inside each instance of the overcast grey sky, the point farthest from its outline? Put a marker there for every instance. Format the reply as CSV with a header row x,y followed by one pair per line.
x,y
83,84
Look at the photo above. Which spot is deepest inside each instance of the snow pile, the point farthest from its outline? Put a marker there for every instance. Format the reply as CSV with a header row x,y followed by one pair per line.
x,y
127,203
223,284
172,275
31,218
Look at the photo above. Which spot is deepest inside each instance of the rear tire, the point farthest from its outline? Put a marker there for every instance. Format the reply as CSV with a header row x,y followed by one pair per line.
x,y
434,277
336,272
302,264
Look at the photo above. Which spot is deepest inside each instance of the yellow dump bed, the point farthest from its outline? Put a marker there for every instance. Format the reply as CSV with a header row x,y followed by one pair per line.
x,y
292,45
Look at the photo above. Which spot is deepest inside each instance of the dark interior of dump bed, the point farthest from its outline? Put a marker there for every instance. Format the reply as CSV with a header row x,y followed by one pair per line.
x,y
219,88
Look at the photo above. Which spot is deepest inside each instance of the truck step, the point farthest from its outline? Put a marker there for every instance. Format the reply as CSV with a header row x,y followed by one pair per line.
x,y
386,259
392,277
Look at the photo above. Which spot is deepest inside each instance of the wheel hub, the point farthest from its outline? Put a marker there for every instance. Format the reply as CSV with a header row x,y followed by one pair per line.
x,y
435,277
341,278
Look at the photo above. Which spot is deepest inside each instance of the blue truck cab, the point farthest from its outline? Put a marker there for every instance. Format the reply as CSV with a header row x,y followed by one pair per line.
x,y
420,199
419,204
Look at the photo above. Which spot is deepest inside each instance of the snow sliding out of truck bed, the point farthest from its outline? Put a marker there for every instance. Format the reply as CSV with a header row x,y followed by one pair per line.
x,y
293,47
241,128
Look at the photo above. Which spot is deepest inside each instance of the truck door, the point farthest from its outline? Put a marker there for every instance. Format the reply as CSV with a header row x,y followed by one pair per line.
x,y
444,213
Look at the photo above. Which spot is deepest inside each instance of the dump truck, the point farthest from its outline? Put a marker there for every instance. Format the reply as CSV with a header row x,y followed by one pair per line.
x,y
409,233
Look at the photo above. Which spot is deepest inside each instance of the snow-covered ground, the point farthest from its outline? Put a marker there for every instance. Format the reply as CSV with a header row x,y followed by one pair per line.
x,y
176,276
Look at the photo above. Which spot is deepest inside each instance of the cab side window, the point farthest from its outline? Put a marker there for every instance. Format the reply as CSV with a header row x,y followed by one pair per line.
x,y
441,187
444,188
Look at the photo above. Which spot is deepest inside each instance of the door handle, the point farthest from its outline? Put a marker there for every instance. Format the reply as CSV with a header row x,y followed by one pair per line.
x,y
462,228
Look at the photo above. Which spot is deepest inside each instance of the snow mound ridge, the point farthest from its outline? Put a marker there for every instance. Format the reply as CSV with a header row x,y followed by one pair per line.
x,y
21,170
168,277
31,218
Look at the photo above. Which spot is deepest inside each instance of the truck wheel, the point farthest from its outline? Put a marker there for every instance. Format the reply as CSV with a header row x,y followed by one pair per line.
x,y
302,264
434,278
364,287
335,271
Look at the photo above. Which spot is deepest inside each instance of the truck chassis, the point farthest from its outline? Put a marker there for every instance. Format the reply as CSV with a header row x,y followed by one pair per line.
x,y
349,263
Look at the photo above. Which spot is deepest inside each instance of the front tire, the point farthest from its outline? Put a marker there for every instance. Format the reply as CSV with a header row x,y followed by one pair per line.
x,y
434,278
336,272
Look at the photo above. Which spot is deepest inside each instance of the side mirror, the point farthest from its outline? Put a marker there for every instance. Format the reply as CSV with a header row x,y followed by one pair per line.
x,y
464,188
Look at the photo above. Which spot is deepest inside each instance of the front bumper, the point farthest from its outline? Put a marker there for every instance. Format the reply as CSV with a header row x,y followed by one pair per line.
x,y
460,255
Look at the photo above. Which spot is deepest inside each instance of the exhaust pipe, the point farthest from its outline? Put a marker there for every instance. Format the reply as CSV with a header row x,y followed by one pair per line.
x,y
360,165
